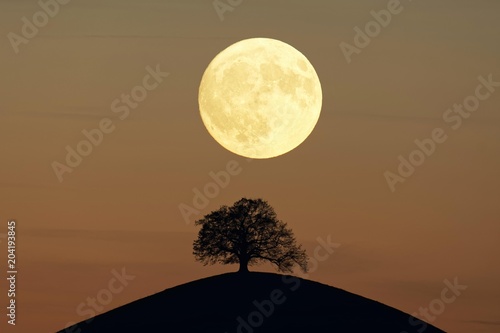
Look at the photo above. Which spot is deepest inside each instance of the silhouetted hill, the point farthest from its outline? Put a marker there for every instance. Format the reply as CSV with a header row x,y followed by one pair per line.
x,y
231,303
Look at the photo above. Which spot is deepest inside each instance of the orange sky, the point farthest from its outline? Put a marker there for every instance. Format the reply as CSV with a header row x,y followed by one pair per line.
x,y
120,207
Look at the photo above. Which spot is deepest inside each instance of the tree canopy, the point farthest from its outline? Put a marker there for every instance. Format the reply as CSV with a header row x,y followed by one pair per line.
x,y
248,233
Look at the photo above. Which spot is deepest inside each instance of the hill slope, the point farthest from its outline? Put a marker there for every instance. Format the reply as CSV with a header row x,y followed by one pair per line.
x,y
256,303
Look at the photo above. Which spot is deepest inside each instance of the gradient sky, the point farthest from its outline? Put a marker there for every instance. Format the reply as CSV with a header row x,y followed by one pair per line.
x,y
120,207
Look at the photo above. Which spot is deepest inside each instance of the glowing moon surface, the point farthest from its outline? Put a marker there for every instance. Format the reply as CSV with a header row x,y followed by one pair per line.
x,y
260,98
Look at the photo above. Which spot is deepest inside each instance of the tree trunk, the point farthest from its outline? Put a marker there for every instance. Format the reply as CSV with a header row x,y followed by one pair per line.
x,y
243,265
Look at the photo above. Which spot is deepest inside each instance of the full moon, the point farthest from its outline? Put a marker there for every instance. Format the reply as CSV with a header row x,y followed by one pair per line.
x,y
260,98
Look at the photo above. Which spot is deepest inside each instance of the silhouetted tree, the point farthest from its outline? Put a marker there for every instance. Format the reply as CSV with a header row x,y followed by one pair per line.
x,y
247,233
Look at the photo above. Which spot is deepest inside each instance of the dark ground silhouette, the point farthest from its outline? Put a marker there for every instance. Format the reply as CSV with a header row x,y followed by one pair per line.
x,y
253,303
